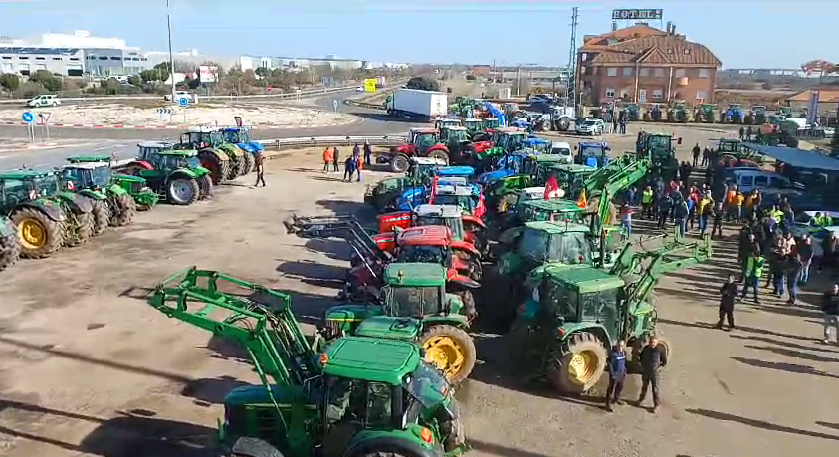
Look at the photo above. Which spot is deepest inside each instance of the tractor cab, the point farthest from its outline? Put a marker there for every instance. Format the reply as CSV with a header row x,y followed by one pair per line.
x,y
87,172
200,138
658,147
593,154
453,134
730,145
449,216
544,242
633,112
536,145
422,139
22,185
758,113
571,177
460,196
147,148
170,160
509,139
415,290
551,210
240,136
445,122
474,125
424,244
507,165
734,114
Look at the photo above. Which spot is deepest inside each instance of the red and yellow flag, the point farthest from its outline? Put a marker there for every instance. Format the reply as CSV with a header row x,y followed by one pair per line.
x,y
582,202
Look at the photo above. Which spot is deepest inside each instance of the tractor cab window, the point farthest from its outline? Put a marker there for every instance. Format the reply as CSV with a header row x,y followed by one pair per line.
x,y
415,301
423,141
601,307
426,254
354,401
101,176
427,385
513,142
454,224
534,245
236,136
463,201
193,162
532,214
14,191
79,177
569,247
46,186
559,300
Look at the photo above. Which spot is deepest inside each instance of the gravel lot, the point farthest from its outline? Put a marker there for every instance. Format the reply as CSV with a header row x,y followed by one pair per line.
x,y
88,368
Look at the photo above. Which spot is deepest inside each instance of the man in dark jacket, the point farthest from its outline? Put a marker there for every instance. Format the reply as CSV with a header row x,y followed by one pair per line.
x,y
717,218
728,295
793,273
653,357
617,374
830,313
696,152
805,252
665,204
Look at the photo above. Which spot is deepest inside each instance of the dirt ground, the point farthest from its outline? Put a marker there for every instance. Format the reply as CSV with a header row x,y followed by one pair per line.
x,y
87,368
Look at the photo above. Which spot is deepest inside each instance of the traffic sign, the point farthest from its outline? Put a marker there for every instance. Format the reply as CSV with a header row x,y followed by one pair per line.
x,y
370,85
183,101
27,117
335,105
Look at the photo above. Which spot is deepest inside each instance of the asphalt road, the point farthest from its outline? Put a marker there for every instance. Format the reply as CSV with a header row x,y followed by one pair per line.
x,y
44,157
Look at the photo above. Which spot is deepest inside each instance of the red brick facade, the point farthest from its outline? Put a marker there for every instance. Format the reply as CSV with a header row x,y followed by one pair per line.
x,y
645,65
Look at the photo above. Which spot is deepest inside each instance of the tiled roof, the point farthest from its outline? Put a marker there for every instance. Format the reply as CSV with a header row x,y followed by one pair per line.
x,y
635,31
658,49
826,96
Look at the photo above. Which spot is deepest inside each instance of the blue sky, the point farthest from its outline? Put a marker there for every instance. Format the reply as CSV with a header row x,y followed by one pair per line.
x,y
524,32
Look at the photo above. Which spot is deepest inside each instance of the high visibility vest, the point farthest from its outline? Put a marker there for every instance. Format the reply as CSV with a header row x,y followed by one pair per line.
x,y
647,197
754,267
778,215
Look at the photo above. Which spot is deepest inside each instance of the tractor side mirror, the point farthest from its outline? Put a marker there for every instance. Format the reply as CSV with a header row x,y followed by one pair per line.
x,y
679,140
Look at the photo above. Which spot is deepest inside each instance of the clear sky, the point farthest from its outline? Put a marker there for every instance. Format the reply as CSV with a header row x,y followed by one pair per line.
x,y
743,33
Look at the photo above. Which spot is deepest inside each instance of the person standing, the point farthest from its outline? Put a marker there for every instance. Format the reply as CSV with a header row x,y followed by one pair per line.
x,y
793,271
728,295
653,357
335,159
349,168
754,270
626,221
749,133
327,159
356,151
718,221
706,211
623,125
665,204
830,313
359,164
368,151
617,374
706,157
260,170
696,151
680,213
738,206
828,244
614,124
647,198
776,273
742,133
805,252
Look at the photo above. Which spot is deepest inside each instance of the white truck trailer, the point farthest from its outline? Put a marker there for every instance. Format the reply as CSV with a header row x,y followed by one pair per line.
x,y
421,104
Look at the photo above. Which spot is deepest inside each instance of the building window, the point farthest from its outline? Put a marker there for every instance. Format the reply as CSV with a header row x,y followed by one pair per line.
x,y
643,72
103,58
627,71
144,59
701,95
704,73
610,93
680,73
40,58
22,58
584,57
658,94
116,58
659,72
24,69
687,50
611,72
611,41
57,58
75,59
7,57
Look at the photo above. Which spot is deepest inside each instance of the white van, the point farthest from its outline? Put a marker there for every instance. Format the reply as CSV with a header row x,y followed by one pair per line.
x,y
40,101
562,149
748,179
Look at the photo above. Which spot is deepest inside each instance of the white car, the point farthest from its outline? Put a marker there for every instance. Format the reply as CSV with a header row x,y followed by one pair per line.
x,y
181,94
591,127
359,89
41,101
563,150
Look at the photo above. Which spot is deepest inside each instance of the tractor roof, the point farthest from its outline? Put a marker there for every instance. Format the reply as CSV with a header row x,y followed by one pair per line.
x,y
512,130
425,130
460,191
156,144
534,191
87,165
454,127
472,119
547,158
25,173
456,170
179,152
415,274
594,144
573,168
371,359
557,228
584,277
96,158
428,161
452,181
200,129
535,140
236,128
555,205
425,235
444,211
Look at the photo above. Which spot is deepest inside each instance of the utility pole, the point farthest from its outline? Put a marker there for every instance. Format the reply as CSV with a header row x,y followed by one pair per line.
x,y
518,81
571,85
171,58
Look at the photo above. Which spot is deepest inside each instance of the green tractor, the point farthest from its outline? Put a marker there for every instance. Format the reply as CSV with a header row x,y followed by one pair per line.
x,y
654,114
174,174
45,216
678,112
503,194
414,297
9,244
361,397
706,113
225,161
383,194
758,114
504,141
575,313
633,112
659,149
115,197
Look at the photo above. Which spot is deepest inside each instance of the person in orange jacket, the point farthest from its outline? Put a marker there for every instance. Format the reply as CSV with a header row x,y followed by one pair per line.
x,y
358,163
327,159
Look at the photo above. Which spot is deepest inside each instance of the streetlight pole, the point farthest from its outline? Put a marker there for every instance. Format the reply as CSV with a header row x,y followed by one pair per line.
x,y
171,58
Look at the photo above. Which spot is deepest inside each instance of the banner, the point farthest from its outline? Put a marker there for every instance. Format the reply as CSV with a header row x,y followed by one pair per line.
x,y
370,85
633,14
813,108
207,74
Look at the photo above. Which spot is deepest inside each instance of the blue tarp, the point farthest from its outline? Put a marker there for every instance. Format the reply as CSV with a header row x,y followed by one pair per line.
x,y
798,158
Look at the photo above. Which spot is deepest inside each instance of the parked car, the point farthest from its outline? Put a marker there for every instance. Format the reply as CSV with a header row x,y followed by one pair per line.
x,y
193,98
591,127
748,179
40,101
359,89
562,149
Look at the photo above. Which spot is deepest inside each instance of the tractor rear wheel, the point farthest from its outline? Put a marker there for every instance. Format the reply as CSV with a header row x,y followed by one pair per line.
x,y
451,350
9,250
247,163
126,210
205,187
578,368
399,163
236,165
253,447
219,168
101,216
563,124
182,191
439,154
39,236
78,229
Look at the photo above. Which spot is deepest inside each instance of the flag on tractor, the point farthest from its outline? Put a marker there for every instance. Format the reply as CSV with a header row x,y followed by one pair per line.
x,y
582,202
552,189
433,190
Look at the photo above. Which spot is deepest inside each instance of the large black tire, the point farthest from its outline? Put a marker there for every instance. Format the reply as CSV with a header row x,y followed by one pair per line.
x,y
205,187
101,216
563,124
78,232
182,191
9,250
219,168
439,154
399,163
126,210
247,163
451,350
253,447
236,166
52,232
572,376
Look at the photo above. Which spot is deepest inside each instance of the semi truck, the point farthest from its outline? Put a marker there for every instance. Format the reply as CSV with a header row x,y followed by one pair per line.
x,y
380,82
417,103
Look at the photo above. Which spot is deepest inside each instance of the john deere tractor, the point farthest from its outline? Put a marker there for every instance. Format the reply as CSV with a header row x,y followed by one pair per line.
x,y
113,195
361,397
9,244
660,149
678,112
224,160
706,113
758,113
175,174
45,216
575,313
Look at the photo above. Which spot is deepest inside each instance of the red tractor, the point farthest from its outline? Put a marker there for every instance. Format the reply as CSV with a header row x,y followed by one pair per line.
x,y
422,142
468,232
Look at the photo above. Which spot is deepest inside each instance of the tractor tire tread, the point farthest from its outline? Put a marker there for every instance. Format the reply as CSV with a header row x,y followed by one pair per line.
x,y
84,231
557,372
55,233
101,216
247,163
205,187
127,209
196,191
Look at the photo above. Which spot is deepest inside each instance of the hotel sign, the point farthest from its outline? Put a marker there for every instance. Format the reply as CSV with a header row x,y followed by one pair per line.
x,y
631,15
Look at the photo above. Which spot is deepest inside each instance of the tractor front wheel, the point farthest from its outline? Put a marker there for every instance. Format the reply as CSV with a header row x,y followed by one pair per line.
x,y
126,208
399,163
182,191
78,229
247,163
39,236
578,368
563,124
205,187
451,350
101,216
219,168
9,250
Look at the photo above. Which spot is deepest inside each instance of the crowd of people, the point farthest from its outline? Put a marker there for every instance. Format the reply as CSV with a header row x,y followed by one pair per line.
x,y
352,165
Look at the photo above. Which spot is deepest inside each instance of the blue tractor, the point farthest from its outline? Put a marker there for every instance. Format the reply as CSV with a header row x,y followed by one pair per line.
x,y
454,175
242,138
593,153
734,115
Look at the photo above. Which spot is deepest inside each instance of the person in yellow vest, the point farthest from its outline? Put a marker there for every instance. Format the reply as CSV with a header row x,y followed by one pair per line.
x,y
706,206
647,197
738,206
754,270
776,214
820,220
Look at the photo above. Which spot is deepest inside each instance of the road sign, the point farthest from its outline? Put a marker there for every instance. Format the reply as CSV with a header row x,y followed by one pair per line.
x,y
335,105
27,117
183,101
370,85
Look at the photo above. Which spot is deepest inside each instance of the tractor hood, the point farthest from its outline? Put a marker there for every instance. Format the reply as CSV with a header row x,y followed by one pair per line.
x,y
130,178
491,176
395,328
256,394
251,147
78,203
351,313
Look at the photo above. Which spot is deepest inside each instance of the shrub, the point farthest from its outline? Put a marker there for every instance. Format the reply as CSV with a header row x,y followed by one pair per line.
x,y
9,82
423,83
471,77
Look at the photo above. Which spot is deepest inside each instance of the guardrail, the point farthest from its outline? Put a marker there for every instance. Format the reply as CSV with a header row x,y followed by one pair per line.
x,y
364,105
279,144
